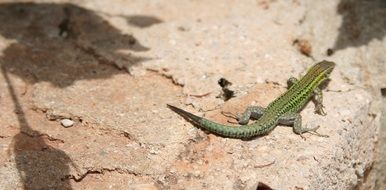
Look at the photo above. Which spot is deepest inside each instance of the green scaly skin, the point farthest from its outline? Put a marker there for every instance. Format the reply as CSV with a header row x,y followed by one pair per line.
x,y
284,110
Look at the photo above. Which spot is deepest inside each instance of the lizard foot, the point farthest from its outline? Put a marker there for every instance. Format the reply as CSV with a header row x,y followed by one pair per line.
x,y
313,132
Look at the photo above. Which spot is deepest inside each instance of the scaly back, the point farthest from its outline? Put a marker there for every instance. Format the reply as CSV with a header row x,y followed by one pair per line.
x,y
297,96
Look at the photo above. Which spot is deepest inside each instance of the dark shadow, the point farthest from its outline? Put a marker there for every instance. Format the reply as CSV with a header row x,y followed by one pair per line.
x,y
363,21
59,44
62,43
142,21
40,165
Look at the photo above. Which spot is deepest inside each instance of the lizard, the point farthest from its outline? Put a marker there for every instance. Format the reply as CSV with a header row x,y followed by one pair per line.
x,y
283,110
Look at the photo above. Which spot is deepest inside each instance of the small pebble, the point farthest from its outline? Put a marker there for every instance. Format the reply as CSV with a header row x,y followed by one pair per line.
x,y
67,122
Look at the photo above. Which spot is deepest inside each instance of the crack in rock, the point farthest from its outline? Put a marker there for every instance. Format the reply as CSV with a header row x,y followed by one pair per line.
x,y
167,76
3,137
101,171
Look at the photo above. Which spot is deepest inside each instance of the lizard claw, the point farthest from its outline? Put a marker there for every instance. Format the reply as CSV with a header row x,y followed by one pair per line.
x,y
314,132
318,134
303,137
319,110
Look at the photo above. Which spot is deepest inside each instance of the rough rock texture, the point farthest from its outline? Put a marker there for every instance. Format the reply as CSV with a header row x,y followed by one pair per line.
x,y
111,67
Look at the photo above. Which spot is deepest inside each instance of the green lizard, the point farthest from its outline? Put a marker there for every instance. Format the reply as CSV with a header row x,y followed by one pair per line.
x,y
284,110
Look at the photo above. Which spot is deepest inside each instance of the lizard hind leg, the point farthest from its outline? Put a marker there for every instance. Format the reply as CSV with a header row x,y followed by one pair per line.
x,y
254,112
231,115
296,120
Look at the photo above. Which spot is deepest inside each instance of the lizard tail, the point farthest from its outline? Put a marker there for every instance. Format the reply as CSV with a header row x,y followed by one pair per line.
x,y
223,130
186,114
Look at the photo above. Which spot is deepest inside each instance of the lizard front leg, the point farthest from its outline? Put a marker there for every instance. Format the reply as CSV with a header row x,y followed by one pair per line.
x,y
291,81
318,101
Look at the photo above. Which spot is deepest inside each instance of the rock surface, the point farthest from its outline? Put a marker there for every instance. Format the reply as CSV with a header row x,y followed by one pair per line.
x,y
113,67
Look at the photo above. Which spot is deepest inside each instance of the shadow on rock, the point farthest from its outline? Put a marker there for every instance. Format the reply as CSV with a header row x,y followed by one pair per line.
x,y
62,43
363,21
142,21
40,165
59,44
